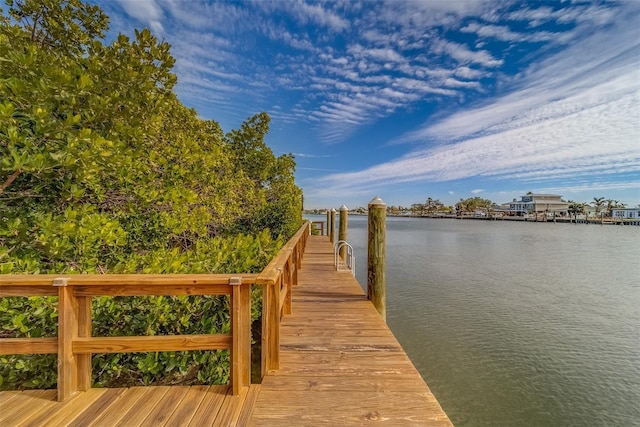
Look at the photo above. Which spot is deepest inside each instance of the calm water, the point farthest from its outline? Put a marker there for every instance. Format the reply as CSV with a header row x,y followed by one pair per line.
x,y
517,324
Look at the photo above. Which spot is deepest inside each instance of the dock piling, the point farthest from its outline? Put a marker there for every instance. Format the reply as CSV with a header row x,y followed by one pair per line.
x,y
328,221
332,230
342,230
376,280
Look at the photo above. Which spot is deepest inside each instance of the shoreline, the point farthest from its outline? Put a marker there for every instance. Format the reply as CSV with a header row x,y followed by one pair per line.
x,y
603,221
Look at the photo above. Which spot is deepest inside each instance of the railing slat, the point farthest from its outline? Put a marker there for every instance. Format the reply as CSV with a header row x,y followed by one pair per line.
x,y
26,290
29,345
148,290
154,343
44,280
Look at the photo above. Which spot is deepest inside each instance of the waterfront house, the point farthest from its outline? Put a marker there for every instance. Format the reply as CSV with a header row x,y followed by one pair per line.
x,y
538,204
629,213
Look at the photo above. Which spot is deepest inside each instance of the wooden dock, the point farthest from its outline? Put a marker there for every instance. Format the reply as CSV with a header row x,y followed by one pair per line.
x,y
339,362
339,365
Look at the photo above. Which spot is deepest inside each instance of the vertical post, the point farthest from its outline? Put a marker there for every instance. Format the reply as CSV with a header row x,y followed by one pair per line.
x,y
241,335
342,229
67,333
328,221
271,327
376,280
84,331
287,275
332,230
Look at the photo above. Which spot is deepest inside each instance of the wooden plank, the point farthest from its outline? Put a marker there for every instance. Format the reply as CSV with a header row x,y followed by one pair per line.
x,y
128,399
165,407
65,412
150,398
210,406
152,343
188,407
101,406
376,384
247,407
44,280
8,290
7,396
22,403
33,412
28,345
151,289
231,409
352,408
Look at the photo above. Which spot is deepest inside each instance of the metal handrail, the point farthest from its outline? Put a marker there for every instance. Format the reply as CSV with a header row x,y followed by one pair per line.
x,y
350,259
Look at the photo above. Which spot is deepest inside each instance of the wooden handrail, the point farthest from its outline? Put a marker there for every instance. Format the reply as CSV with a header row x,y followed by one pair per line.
x,y
75,345
278,278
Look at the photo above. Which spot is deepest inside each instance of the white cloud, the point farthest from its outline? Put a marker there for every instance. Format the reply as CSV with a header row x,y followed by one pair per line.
x,y
503,33
573,116
149,12
464,55
306,13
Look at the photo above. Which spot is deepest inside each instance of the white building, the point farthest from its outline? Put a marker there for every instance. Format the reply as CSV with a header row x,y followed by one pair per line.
x,y
626,213
538,203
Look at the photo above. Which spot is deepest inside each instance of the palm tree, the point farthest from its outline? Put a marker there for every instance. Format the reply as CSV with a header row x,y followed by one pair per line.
x,y
575,209
598,203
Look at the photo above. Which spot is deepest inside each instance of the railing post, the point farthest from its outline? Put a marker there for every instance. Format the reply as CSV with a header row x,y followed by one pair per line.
x,y
241,333
342,230
289,267
270,328
376,280
84,331
328,221
332,229
68,315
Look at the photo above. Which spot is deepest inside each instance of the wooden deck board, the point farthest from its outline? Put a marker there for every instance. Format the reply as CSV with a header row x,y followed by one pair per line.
x,y
137,406
339,362
13,410
128,399
184,413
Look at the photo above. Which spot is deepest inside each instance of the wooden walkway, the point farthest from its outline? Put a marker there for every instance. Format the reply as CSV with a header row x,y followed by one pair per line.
x,y
136,406
340,365
339,362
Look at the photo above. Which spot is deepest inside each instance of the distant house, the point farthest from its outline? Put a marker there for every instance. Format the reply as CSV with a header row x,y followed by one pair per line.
x,y
625,213
538,203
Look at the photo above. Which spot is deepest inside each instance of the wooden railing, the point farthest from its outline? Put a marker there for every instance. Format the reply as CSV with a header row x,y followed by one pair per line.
x,y
278,278
74,344
317,226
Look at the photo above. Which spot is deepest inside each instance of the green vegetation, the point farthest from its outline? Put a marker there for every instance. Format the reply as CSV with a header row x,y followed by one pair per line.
x,y
103,170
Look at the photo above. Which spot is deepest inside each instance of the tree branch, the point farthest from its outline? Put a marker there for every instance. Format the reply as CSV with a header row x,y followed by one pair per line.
x,y
9,180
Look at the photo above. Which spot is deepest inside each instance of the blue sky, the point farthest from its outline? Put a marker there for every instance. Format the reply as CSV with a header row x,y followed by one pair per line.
x,y
416,99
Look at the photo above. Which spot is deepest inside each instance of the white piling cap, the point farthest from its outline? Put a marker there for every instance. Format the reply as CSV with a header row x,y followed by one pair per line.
x,y
377,201
333,209
344,208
